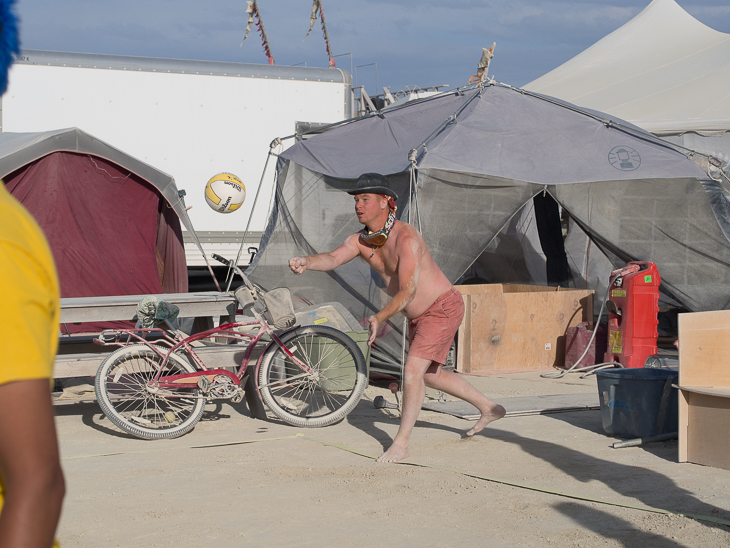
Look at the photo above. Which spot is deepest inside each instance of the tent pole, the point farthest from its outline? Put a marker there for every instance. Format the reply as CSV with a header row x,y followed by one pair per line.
x,y
229,277
210,269
411,197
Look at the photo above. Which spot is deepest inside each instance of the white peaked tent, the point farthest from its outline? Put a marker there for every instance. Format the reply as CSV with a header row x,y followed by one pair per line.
x,y
663,71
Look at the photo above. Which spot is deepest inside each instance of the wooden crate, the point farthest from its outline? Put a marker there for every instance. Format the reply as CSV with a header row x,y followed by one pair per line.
x,y
704,388
510,327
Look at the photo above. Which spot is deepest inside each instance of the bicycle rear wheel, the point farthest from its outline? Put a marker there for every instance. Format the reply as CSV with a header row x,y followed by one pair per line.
x,y
329,392
124,397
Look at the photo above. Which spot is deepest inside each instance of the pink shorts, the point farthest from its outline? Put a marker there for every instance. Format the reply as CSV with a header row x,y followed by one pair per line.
x,y
431,334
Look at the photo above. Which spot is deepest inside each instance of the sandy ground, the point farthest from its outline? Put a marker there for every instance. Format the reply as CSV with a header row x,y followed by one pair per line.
x,y
285,490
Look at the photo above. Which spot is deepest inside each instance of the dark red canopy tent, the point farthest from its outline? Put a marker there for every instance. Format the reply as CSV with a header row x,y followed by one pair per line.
x,y
109,219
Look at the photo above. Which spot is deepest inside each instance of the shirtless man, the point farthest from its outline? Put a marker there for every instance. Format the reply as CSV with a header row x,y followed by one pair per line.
x,y
419,291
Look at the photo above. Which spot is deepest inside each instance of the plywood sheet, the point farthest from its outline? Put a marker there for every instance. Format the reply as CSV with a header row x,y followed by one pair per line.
x,y
682,425
86,365
521,288
704,374
703,355
463,339
124,307
520,406
708,431
519,331
478,289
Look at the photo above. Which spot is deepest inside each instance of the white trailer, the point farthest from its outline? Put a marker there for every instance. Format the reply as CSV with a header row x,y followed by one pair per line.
x,y
191,119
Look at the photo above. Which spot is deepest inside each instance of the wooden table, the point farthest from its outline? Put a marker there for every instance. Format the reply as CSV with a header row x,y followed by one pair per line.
x,y
203,305
704,388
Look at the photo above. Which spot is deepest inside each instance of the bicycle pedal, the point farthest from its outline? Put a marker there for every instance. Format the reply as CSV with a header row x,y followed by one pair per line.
x,y
238,397
204,384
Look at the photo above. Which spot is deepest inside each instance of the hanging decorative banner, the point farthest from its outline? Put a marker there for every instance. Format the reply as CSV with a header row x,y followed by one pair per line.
x,y
483,66
317,7
252,9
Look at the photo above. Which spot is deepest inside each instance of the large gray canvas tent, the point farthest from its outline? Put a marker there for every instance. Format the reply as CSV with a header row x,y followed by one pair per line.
x,y
482,155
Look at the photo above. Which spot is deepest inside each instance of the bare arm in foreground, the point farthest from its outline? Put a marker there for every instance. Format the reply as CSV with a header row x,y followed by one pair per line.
x,y
29,465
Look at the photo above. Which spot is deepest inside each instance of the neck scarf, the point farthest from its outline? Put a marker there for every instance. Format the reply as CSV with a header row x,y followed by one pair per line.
x,y
378,238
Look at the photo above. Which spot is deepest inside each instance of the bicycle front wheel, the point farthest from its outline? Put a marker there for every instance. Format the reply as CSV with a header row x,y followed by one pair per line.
x,y
328,392
142,410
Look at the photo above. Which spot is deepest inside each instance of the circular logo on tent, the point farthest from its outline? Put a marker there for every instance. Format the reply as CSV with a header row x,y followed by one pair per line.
x,y
624,158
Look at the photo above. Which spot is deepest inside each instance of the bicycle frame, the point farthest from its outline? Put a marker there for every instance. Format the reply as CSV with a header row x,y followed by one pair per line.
x,y
226,331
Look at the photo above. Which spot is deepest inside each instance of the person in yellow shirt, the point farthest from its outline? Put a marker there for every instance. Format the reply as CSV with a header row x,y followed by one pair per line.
x,y
31,480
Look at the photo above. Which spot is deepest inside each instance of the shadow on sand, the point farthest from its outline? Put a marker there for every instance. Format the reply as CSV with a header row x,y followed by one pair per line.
x,y
93,417
612,527
647,487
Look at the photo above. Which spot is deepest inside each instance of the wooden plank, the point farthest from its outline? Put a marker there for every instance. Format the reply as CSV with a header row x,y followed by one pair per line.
x,y
519,331
720,392
704,374
85,365
682,424
463,339
703,340
489,342
77,365
521,406
708,432
478,289
124,307
522,288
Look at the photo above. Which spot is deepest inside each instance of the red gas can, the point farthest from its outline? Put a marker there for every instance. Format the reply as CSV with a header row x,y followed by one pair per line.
x,y
632,318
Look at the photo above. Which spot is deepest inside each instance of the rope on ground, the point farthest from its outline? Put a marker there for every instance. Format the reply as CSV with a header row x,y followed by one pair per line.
x,y
432,467
223,444
532,487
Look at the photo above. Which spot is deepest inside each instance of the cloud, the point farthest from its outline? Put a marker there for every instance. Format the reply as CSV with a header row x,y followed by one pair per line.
x,y
518,16
421,42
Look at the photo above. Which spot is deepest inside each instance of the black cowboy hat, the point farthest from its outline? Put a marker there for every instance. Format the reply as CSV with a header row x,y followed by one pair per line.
x,y
373,183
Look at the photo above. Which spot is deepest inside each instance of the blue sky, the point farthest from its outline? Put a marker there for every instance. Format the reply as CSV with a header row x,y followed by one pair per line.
x,y
413,42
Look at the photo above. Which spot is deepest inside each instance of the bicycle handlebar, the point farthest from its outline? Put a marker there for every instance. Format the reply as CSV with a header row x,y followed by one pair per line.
x,y
235,269
102,340
221,259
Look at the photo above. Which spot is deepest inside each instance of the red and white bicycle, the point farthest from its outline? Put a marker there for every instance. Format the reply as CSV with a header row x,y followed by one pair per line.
x,y
308,376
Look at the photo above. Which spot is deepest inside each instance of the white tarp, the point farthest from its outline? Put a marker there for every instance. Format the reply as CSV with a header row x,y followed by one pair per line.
x,y
663,71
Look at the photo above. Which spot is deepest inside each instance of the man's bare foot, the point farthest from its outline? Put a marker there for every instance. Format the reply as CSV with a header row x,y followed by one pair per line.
x,y
497,413
394,453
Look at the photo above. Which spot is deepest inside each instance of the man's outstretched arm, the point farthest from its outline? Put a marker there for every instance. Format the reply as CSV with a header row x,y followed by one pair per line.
x,y
29,465
326,261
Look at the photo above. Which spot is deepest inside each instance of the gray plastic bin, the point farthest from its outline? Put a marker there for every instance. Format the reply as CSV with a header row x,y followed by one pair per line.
x,y
631,399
